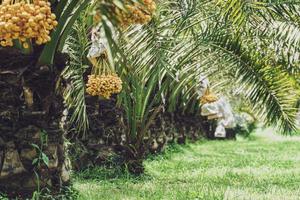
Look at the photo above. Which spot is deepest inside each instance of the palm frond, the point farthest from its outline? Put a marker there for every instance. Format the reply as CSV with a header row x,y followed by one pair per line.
x,y
74,95
269,88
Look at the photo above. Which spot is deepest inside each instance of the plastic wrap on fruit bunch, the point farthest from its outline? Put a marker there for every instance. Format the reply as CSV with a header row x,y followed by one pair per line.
x,y
99,44
216,108
99,40
203,85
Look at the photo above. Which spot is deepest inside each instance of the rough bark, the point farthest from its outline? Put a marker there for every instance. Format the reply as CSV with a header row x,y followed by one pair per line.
x,y
106,142
30,106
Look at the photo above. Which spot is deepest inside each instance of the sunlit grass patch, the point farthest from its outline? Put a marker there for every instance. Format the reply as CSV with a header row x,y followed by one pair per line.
x,y
211,170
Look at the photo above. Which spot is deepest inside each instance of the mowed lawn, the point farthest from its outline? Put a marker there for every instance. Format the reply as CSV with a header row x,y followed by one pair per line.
x,y
266,167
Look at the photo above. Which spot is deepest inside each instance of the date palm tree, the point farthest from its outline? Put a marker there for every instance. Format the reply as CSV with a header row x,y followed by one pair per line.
x,y
32,113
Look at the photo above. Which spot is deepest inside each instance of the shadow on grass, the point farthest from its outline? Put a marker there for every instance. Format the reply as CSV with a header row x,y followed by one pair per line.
x,y
168,152
173,149
111,174
115,173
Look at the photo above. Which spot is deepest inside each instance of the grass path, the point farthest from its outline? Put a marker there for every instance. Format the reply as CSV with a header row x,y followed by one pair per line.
x,y
265,168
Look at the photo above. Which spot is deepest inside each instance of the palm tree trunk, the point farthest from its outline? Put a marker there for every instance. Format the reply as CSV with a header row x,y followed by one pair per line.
x,y
29,106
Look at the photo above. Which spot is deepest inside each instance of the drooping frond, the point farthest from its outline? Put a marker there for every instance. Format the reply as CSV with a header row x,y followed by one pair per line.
x,y
160,63
269,88
74,94
240,12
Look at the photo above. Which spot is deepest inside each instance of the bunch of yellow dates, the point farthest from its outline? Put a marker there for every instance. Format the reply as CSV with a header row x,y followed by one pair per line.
x,y
134,13
104,85
25,20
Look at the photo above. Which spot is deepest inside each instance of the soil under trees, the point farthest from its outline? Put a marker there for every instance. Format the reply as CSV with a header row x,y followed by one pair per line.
x,y
30,125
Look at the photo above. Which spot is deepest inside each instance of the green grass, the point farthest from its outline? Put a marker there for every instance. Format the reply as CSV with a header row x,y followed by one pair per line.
x,y
265,167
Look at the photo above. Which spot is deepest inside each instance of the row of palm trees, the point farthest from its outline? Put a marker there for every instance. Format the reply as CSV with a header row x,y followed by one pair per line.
x,y
250,45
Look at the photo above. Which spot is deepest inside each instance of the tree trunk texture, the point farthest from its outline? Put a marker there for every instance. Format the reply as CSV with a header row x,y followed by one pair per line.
x,y
106,132
106,143
29,106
